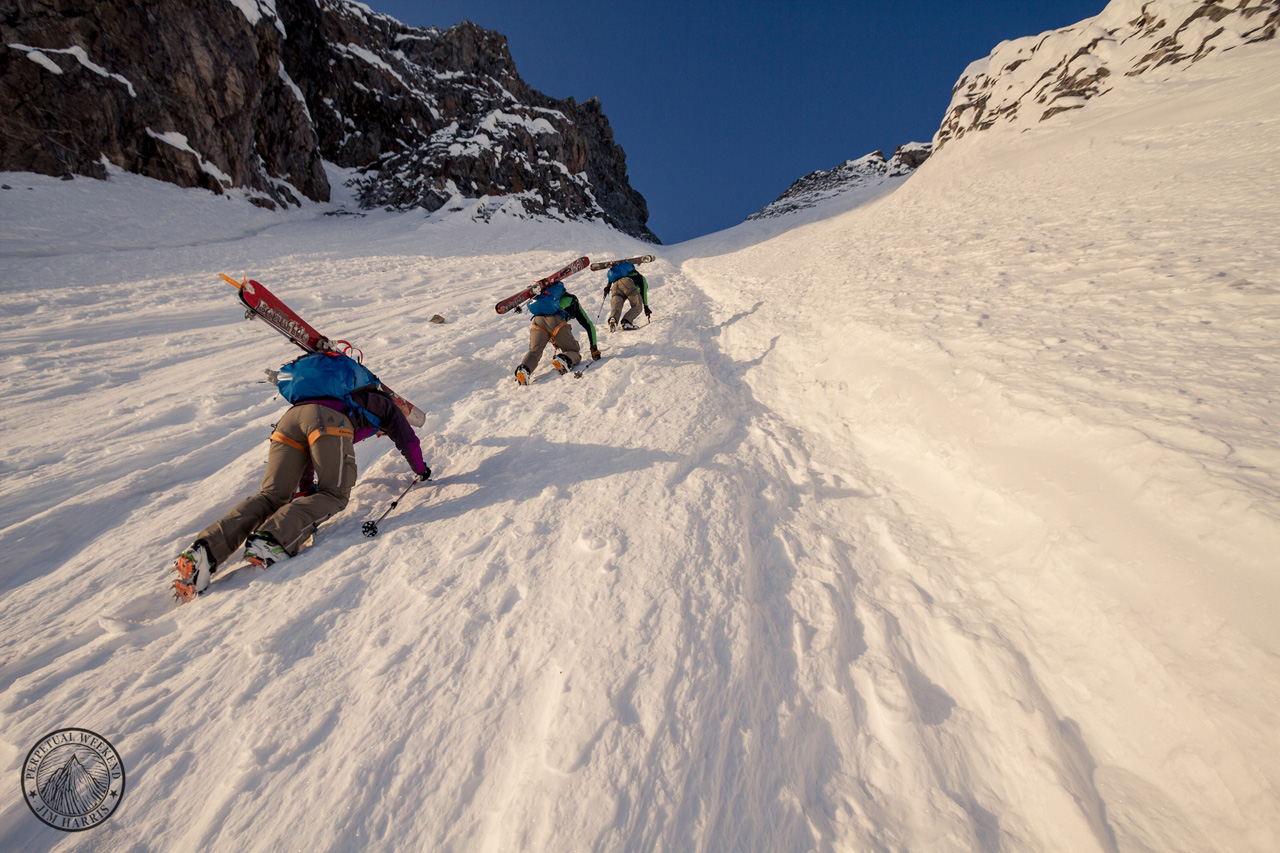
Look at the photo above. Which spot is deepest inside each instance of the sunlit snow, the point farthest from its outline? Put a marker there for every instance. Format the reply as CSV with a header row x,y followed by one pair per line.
x,y
942,521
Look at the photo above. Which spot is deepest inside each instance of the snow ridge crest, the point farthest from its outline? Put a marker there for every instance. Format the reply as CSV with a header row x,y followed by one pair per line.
x,y
865,172
1029,80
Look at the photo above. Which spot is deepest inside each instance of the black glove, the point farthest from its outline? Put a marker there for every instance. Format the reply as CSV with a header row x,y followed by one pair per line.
x,y
595,355
647,312
425,475
607,288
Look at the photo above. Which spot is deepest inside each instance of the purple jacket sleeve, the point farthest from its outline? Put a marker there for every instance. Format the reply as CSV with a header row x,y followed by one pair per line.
x,y
393,423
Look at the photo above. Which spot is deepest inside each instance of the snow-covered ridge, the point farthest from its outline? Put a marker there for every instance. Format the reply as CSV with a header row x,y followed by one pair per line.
x,y
946,523
1028,80
870,171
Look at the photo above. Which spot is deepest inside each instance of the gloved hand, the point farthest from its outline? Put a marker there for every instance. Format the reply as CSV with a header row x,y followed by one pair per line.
x,y
273,376
424,474
536,290
607,288
647,312
595,355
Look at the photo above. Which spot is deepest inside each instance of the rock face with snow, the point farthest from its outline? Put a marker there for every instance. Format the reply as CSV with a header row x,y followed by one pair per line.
x,y
186,92
1031,79
255,94
869,171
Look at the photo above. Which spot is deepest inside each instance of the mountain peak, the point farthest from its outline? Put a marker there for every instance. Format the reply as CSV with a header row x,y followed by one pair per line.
x,y
868,171
258,96
1032,79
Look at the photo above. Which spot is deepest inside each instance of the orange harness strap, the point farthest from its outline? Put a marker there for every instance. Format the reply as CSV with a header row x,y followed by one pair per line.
x,y
554,332
315,434
323,431
563,323
284,439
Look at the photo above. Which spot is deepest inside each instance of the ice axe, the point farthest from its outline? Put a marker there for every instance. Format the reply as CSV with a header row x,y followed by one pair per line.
x,y
370,528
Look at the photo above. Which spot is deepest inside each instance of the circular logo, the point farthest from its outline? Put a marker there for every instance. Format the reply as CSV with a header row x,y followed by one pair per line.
x,y
73,779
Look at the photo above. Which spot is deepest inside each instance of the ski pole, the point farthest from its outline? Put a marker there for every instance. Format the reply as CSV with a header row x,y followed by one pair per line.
x,y
370,528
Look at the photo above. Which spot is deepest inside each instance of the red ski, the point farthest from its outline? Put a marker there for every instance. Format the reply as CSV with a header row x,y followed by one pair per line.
x,y
528,293
260,302
640,259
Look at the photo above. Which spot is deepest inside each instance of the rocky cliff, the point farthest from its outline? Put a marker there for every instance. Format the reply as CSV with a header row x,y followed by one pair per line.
x,y
255,94
865,172
1032,79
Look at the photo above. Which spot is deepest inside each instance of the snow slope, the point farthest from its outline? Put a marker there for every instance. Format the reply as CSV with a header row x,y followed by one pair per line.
x,y
943,523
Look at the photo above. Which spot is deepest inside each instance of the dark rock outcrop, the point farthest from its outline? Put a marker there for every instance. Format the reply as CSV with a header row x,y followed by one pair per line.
x,y
255,95
869,171
1031,79
186,92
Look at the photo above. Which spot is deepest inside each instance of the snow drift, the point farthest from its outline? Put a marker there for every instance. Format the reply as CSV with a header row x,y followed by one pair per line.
x,y
946,522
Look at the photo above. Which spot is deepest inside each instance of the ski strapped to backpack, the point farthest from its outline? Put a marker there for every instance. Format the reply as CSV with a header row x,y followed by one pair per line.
x,y
261,303
327,374
514,301
640,259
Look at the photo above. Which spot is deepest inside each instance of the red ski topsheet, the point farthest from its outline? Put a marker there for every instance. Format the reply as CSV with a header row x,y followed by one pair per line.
x,y
265,304
579,264
512,301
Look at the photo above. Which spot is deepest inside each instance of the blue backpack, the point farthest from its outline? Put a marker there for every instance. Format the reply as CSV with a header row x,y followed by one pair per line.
x,y
548,302
327,374
621,270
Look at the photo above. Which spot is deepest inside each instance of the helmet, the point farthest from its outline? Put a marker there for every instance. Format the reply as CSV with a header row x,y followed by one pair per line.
x,y
621,270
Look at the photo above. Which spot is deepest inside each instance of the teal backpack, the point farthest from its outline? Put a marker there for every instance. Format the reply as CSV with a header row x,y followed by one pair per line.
x,y
327,374
621,270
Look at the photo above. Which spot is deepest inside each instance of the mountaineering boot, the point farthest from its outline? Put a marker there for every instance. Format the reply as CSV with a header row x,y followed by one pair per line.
x,y
195,568
522,375
628,326
262,549
561,364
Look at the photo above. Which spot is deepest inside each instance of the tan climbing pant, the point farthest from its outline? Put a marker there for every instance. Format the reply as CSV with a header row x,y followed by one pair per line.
x,y
308,432
625,290
547,329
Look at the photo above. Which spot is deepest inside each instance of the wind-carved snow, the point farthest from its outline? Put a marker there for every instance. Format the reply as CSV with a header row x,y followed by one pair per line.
x,y
179,141
297,93
255,10
38,55
373,59
40,59
494,120
943,522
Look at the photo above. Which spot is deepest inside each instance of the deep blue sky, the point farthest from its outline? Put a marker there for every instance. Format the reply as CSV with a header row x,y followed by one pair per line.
x,y
721,105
